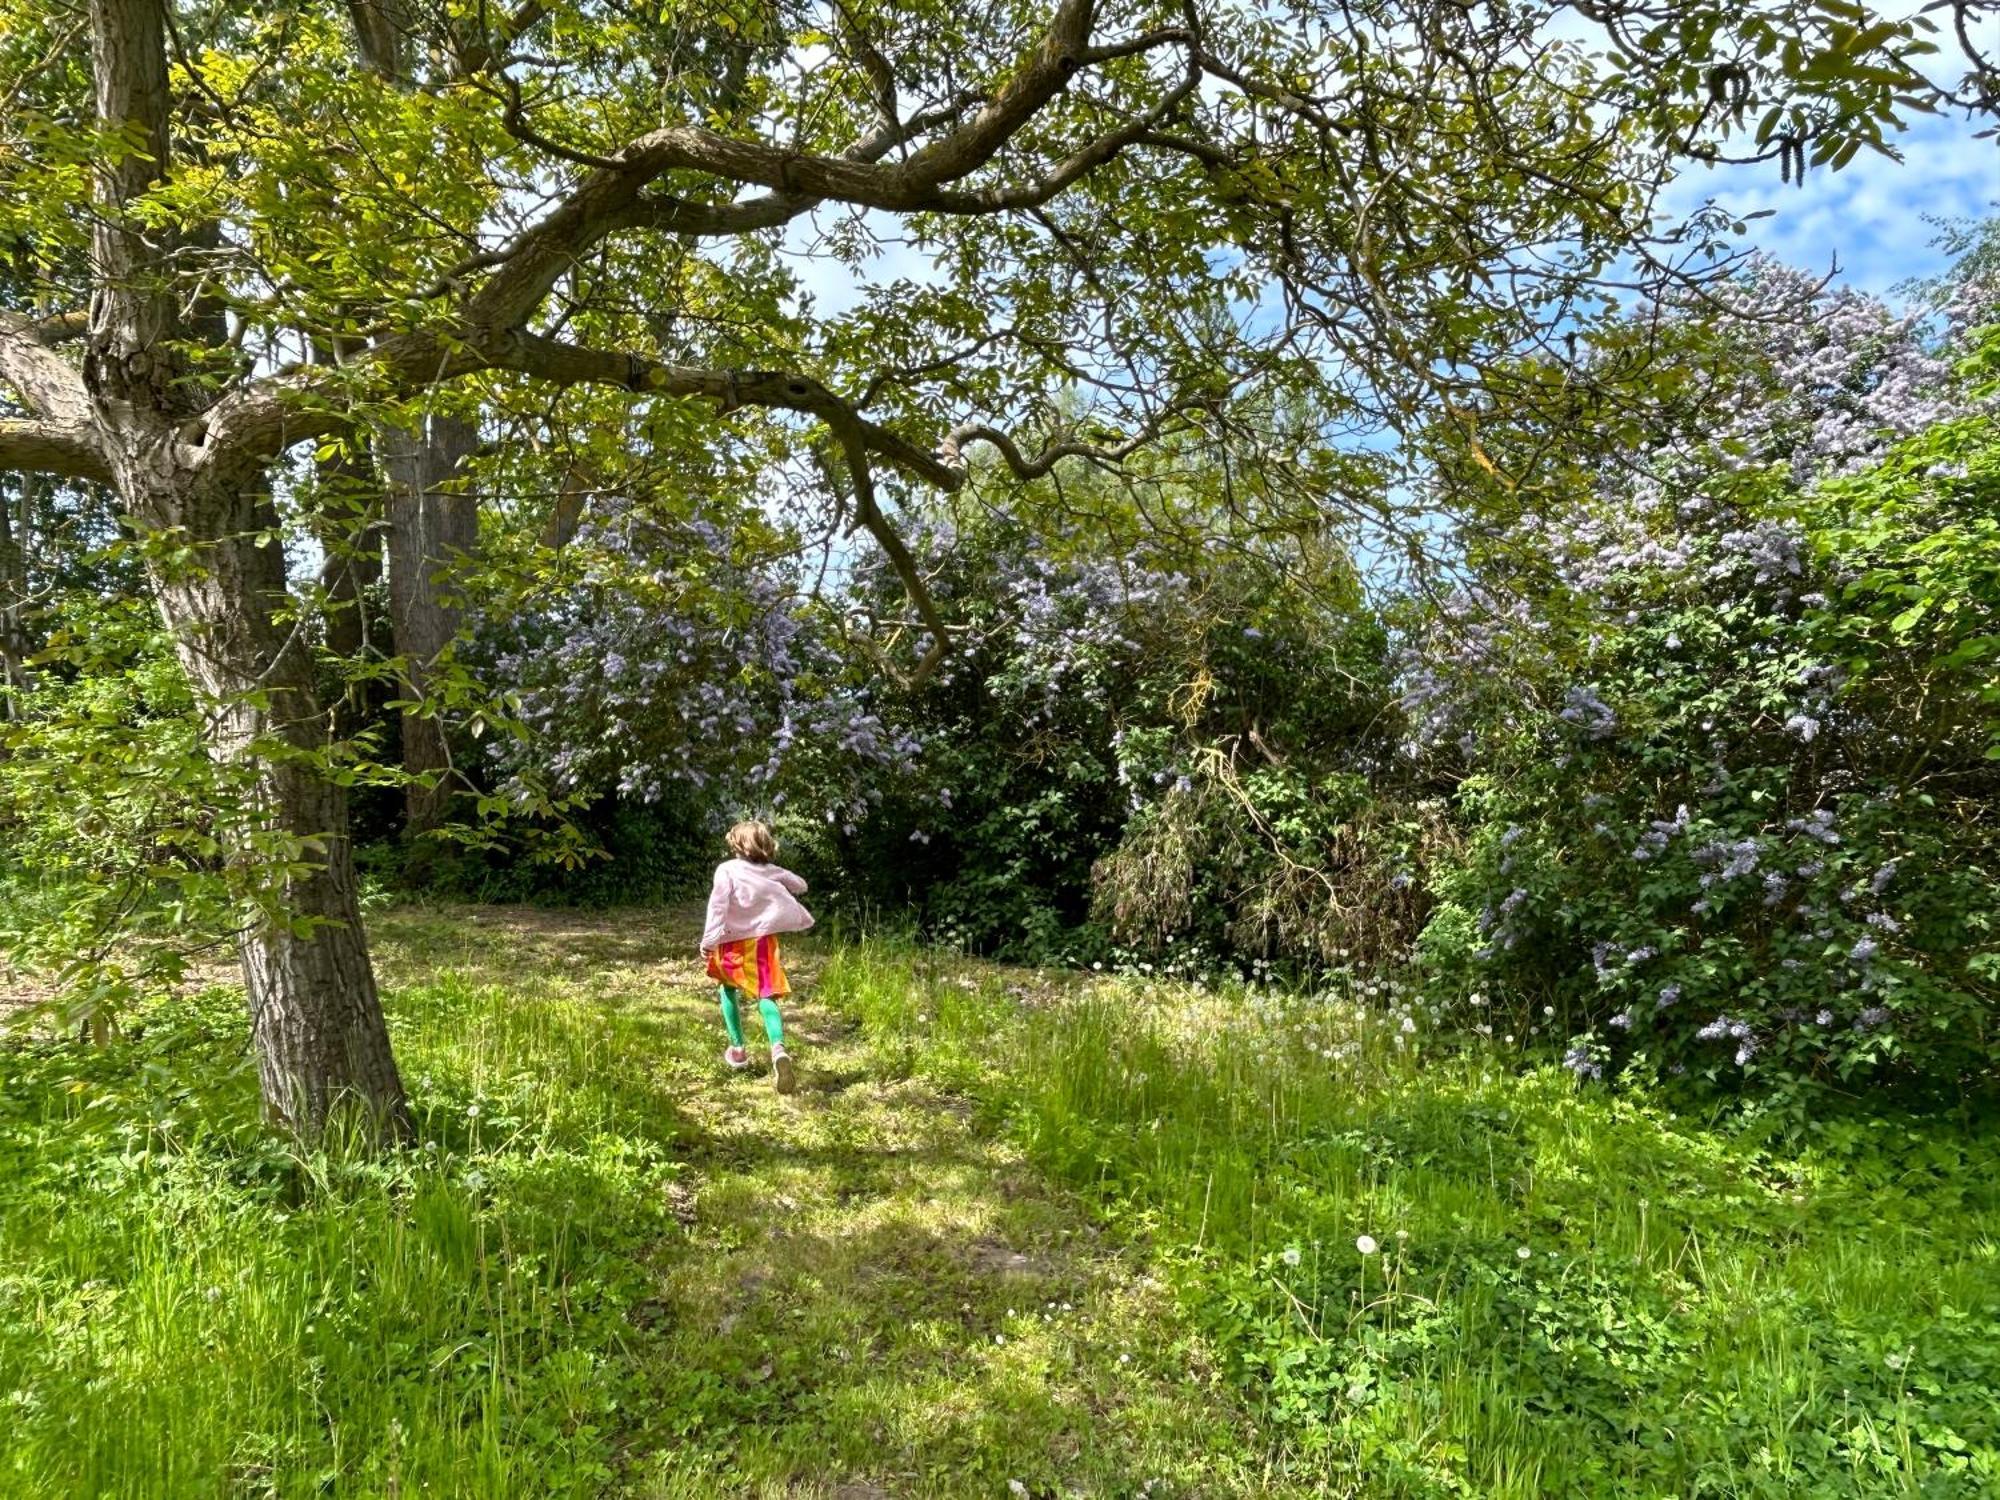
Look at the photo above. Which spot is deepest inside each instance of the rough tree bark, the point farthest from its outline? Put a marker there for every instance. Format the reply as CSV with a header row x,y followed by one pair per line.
x,y
429,525
322,1044
432,527
16,539
316,1019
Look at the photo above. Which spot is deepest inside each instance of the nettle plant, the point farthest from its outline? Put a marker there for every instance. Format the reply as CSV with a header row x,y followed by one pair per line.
x,y
1731,764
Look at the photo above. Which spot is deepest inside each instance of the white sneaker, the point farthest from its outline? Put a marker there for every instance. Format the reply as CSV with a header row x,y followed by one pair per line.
x,y
782,1069
736,1057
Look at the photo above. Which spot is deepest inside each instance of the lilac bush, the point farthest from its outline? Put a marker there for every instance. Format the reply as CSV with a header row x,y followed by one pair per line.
x,y
1032,734
1729,803
669,659
1149,755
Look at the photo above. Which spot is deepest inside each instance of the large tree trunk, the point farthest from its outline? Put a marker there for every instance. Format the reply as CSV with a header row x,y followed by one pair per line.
x,y
323,1053
427,526
431,529
322,1045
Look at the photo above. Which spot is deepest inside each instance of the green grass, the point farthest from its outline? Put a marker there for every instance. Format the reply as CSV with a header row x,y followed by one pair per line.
x,y
610,1268
1094,1237
1572,1291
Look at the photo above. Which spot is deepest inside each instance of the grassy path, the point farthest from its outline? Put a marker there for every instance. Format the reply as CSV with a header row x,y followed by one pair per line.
x,y
865,1293
613,1269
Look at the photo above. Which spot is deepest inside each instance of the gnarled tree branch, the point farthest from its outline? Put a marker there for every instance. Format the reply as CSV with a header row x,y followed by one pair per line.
x,y
68,450
47,384
1035,466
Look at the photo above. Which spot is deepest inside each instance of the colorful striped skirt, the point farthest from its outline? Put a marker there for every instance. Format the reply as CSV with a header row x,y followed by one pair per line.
x,y
750,965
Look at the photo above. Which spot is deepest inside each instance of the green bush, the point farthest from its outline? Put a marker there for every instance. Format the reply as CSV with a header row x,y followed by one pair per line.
x,y
617,852
1737,817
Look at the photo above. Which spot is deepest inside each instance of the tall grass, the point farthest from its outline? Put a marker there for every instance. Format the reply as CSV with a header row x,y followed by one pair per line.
x,y
1442,1271
188,1309
609,1268
1560,1291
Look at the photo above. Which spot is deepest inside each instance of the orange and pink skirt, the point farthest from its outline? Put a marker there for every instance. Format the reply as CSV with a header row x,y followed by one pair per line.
x,y
750,965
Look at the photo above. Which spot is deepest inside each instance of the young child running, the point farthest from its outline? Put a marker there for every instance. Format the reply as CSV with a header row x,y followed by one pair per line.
x,y
751,903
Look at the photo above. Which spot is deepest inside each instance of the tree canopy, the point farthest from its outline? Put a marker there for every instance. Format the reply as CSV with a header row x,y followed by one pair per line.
x,y
235,245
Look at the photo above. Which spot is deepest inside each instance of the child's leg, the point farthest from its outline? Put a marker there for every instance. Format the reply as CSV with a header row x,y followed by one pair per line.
x,y
771,983
732,1019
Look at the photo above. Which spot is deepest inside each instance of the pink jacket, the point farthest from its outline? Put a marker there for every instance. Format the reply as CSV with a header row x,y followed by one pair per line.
x,y
749,901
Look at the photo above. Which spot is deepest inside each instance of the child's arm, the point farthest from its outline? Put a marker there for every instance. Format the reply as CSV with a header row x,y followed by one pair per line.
x,y
794,883
718,911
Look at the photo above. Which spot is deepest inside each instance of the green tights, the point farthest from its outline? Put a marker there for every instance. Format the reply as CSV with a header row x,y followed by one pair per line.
x,y
732,1018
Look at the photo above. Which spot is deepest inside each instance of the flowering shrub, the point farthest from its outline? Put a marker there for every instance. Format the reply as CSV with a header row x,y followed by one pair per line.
x,y
1732,799
667,674
1697,769
1161,761
1021,782
1269,821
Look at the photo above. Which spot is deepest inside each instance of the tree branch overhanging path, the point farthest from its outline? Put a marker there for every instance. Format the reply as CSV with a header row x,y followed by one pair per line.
x,y
1177,210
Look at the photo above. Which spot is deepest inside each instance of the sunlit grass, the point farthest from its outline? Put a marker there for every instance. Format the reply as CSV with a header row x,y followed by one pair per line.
x,y
1565,1290
186,1308
1091,1236
608,1268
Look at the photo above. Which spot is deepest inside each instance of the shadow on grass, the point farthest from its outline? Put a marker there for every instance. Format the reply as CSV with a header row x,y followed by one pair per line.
x,y
608,1267
928,1339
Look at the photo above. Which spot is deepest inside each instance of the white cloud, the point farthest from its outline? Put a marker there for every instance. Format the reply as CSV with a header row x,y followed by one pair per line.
x,y
1868,218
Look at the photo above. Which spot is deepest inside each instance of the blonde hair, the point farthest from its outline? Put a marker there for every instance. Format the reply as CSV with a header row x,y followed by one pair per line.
x,y
751,840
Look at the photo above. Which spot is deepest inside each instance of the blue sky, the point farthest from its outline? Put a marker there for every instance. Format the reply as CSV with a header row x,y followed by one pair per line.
x,y
1869,217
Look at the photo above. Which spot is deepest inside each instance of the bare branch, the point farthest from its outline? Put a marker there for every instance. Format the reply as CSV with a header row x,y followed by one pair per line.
x,y
62,327
47,384
573,364
670,215
260,419
907,374
605,198
1026,467
64,449
868,514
